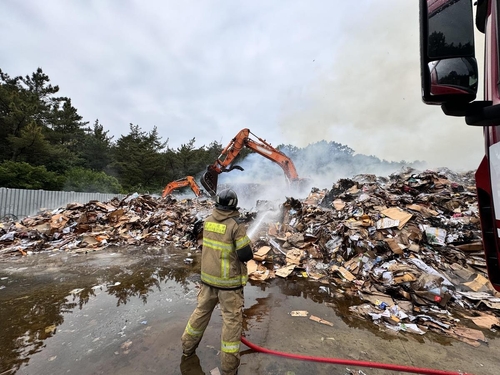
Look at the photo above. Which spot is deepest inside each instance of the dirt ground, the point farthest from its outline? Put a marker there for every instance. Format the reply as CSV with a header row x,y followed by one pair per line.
x,y
123,312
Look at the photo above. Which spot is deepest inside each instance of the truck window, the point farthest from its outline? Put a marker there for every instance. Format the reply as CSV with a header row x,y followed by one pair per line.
x,y
450,29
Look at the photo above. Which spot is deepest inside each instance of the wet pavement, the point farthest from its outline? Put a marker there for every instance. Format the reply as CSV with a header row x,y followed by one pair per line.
x,y
122,311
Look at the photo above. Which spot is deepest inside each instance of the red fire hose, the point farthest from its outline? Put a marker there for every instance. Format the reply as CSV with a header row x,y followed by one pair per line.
x,y
339,361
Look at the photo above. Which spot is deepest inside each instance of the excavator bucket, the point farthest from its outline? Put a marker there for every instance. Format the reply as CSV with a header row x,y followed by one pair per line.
x,y
209,181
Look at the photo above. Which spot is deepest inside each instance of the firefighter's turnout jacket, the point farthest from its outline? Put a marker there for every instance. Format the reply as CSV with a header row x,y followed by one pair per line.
x,y
225,247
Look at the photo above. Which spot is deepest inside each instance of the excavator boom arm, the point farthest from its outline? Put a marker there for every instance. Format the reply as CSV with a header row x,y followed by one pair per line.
x,y
232,150
275,155
183,182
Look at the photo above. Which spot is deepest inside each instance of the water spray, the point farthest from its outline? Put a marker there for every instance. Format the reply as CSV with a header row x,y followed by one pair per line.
x,y
256,224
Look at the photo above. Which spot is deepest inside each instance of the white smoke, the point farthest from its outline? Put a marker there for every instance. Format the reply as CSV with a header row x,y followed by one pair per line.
x,y
261,179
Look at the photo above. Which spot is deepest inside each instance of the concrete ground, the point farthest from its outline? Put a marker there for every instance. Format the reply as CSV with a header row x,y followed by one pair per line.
x,y
122,312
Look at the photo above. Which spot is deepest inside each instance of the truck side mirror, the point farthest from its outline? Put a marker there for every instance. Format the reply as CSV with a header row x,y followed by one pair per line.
x,y
448,65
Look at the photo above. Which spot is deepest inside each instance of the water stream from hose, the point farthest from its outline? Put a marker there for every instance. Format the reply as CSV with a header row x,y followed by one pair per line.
x,y
256,224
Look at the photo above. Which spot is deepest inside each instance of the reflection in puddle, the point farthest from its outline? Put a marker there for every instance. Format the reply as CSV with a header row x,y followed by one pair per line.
x,y
34,304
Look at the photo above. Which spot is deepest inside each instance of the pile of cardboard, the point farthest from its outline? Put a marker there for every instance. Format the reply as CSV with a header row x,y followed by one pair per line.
x,y
408,247
134,220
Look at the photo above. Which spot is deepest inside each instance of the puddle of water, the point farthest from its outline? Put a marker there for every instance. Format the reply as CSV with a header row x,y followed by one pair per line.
x,y
123,312
270,324
45,298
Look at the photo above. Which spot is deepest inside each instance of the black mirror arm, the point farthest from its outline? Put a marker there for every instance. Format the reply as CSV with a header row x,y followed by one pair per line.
x,y
478,113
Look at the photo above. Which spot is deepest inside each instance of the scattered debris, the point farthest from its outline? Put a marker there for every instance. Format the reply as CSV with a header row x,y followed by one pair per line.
x,y
126,346
407,247
322,321
134,220
299,313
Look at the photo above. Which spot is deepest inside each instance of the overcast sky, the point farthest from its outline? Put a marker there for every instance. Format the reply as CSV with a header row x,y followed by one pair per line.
x,y
293,71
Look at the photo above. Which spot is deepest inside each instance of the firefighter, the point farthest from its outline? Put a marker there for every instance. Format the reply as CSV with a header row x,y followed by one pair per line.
x,y
226,249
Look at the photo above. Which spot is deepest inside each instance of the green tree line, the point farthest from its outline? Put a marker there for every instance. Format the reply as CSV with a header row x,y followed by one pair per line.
x,y
46,144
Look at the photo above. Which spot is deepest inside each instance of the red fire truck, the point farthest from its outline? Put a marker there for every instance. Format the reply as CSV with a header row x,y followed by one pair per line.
x,y
450,77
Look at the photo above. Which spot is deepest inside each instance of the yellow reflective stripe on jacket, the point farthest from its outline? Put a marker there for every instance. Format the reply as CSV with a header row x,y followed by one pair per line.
x,y
217,245
224,265
233,282
193,332
215,227
242,242
230,346
224,283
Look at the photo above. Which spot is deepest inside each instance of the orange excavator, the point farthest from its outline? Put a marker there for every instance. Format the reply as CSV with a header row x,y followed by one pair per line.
x,y
260,146
180,183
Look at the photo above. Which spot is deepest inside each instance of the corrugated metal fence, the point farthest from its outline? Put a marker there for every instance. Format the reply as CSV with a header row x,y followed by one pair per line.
x,y
19,203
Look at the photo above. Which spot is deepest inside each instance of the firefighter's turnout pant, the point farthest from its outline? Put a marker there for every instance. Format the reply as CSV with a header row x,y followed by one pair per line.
x,y
231,304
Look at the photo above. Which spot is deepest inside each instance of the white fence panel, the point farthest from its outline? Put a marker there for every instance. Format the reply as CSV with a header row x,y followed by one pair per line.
x,y
19,203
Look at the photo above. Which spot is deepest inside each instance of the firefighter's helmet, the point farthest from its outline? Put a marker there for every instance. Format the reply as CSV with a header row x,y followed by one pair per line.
x,y
226,200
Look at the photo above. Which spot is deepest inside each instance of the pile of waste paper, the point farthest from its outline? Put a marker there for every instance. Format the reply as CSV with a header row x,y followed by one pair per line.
x,y
407,247
134,220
